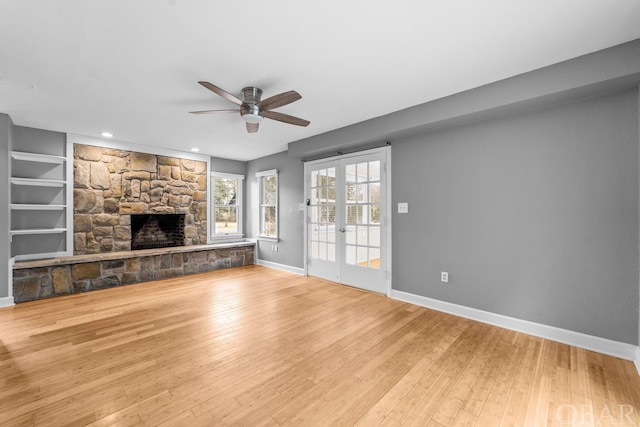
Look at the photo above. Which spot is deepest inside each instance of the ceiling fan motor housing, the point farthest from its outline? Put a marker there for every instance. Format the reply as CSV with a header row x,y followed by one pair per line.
x,y
249,110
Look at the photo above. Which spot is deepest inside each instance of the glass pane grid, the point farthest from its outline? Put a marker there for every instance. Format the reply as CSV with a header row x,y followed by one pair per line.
x,y
362,200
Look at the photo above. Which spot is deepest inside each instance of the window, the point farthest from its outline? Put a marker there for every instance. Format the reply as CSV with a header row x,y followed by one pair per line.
x,y
227,207
268,189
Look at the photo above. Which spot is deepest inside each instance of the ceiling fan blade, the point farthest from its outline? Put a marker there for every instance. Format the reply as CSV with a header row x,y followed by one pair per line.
x,y
280,100
223,93
285,118
252,127
214,111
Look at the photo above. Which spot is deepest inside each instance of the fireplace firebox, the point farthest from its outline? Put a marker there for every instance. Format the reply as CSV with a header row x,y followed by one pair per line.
x,y
150,231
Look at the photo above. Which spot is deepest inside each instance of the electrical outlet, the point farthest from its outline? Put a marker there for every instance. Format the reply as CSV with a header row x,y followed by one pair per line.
x,y
444,277
275,248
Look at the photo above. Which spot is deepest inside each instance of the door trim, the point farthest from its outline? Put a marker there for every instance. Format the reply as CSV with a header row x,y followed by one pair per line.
x,y
386,151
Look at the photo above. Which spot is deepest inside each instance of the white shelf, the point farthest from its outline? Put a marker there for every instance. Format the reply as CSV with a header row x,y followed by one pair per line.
x,y
39,158
35,182
37,231
33,207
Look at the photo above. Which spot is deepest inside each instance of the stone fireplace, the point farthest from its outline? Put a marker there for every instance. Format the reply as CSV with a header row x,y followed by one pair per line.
x,y
112,187
123,200
150,231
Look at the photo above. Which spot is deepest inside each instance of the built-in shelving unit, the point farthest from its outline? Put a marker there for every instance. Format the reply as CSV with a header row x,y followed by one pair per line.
x,y
40,198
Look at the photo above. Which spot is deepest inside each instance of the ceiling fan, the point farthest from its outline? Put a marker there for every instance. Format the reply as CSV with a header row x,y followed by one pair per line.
x,y
253,109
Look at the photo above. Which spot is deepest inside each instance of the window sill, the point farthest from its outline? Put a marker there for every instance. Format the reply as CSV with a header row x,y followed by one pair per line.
x,y
269,238
232,238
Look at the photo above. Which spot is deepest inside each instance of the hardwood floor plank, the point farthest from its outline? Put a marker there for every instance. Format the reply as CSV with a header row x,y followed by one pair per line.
x,y
261,347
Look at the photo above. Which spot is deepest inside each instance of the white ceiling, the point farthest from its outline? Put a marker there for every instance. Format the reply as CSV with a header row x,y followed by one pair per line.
x,y
132,67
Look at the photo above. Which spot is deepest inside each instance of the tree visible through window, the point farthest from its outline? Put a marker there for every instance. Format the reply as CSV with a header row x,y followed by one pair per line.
x,y
227,205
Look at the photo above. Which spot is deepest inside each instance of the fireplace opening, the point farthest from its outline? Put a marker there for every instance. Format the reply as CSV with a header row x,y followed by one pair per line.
x,y
150,231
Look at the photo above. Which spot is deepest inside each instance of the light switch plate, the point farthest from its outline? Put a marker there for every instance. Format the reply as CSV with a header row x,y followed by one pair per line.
x,y
403,207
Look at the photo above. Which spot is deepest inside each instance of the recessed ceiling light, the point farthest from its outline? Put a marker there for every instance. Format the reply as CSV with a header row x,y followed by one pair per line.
x,y
195,149
107,134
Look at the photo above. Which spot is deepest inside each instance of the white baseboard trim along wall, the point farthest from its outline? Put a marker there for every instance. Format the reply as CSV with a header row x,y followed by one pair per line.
x,y
6,302
294,270
588,342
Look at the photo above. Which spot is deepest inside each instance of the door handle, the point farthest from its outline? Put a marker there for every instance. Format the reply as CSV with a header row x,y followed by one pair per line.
x,y
342,230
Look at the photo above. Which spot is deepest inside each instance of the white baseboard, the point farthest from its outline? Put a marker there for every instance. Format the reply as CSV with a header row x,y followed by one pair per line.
x,y
577,339
290,269
7,302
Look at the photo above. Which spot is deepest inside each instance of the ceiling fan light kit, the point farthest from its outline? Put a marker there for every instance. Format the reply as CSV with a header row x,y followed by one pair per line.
x,y
253,109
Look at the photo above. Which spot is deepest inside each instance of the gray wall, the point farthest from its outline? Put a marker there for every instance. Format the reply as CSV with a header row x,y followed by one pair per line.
x,y
534,216
228,166
290,219
5,148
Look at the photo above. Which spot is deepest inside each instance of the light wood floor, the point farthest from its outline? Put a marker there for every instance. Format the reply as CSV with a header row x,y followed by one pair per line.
x,y
259,347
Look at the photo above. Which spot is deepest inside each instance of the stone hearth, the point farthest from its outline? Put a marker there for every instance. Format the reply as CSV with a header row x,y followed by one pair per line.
x,y
47,278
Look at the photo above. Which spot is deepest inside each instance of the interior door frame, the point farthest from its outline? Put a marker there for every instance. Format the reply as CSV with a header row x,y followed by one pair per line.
x,y
386,151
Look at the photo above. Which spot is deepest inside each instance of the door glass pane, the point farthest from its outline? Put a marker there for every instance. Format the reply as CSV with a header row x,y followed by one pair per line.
x,y
374,236
362,238
323,250
323,233
331,212
350,192
362,256
350,174
331,234
361,194
350,255
321,177
374,193
331,252
362,172
323,214
350,235
374,258
374,171
314,250
374,212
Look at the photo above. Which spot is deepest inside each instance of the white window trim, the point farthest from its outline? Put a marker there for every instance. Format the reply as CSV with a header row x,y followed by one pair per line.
x,y
261,175
227,238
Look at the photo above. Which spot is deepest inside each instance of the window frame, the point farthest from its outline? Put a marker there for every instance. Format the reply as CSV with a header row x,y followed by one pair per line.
x,y
261,231
227,237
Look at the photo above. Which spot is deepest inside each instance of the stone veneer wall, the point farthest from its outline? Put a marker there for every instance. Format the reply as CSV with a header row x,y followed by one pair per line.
x,y
34,280
110,185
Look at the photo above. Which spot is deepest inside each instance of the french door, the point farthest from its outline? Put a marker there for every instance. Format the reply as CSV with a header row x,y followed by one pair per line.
x,y
347,225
